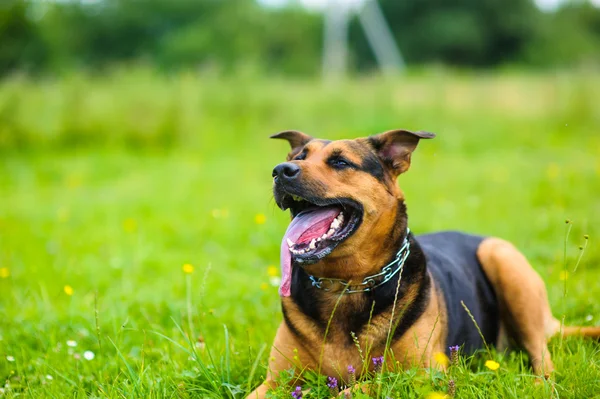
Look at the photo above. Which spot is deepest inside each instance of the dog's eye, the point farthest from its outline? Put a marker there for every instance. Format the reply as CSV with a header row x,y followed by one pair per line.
x,y
339,163
301,157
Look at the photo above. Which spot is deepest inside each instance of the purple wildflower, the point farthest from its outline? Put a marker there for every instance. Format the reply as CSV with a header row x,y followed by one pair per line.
x,y
378,363
454,354
451,388
351,375
332,383
297,394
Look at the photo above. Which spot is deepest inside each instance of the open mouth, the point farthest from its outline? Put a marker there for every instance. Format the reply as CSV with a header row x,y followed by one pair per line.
x,y
318,226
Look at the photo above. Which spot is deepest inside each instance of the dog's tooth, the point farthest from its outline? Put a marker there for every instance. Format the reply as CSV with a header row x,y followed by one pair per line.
x,y
290,243
324,236
312,244
335,224
319,239
330,232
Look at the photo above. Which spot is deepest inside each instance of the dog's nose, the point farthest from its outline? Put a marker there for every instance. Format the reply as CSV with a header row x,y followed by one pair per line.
x,y
286,170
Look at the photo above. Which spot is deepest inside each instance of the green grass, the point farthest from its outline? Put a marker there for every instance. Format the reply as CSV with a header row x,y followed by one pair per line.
x,y
111,184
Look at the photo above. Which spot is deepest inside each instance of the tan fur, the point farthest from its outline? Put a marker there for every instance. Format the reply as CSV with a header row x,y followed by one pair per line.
x,y
417,347
379,202
426,337
522,299
577,331
287,352
380,206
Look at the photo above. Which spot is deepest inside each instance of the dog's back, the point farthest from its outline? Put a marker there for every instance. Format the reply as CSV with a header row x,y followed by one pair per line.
x,y
452,261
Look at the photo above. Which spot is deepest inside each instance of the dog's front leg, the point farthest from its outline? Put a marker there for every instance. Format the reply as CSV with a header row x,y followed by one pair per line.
x,y
287,352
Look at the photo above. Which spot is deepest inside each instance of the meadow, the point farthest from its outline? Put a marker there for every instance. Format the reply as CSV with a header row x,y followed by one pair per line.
x,y
139,241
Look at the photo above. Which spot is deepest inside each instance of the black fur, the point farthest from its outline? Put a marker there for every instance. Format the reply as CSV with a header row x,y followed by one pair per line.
x,y
355,318
372,166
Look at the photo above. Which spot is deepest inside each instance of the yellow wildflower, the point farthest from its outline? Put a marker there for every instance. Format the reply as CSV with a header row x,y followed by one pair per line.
x,y
492,365
129,225
219,213
264,286
500,175
436,395
62,214
4,272
188,269
552,171
260,218
68,290
272,271
563,275
74,181
441,358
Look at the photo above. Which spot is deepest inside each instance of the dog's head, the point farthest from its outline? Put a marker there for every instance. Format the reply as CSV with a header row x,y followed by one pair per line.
x,y
340,193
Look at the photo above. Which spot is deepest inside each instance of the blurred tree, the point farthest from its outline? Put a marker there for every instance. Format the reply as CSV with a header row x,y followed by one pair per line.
x,y
566,37
20,44
457,32
182,33
230,34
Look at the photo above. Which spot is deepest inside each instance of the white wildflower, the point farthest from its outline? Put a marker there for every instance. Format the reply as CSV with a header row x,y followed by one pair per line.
x,y
275,281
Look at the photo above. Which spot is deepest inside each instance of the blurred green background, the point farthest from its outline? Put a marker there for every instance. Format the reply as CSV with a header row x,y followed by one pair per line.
x,y
275,37
136,217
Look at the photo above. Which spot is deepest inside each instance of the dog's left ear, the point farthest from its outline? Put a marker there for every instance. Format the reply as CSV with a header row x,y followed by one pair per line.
x,y
296,139
395,148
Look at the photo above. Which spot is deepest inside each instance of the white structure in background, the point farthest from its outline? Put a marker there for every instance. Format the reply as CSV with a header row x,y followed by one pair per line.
x,y
379,36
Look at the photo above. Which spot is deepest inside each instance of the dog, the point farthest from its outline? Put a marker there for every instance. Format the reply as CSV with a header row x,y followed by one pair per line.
x,y
354,275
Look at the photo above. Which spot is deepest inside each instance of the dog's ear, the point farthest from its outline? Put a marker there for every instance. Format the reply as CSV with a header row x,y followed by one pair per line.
x,y
395,147
296,139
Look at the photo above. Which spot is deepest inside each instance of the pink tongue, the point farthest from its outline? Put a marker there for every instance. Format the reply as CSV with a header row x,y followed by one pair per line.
x,y
304,227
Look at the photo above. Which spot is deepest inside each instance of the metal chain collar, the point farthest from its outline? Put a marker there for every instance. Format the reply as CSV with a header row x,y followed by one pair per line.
x,y
369,283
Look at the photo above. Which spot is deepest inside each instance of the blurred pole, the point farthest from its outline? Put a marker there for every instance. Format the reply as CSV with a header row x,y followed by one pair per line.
x,y
380,38
335,46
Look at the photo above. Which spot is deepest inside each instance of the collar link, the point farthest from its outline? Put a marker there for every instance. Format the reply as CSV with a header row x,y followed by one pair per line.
x,y
369,283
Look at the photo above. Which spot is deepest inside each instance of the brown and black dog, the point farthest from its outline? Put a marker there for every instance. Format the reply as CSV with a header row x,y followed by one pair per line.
x,y
352,271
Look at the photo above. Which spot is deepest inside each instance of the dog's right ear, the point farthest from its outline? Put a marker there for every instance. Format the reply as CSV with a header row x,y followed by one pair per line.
x,y
296,139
